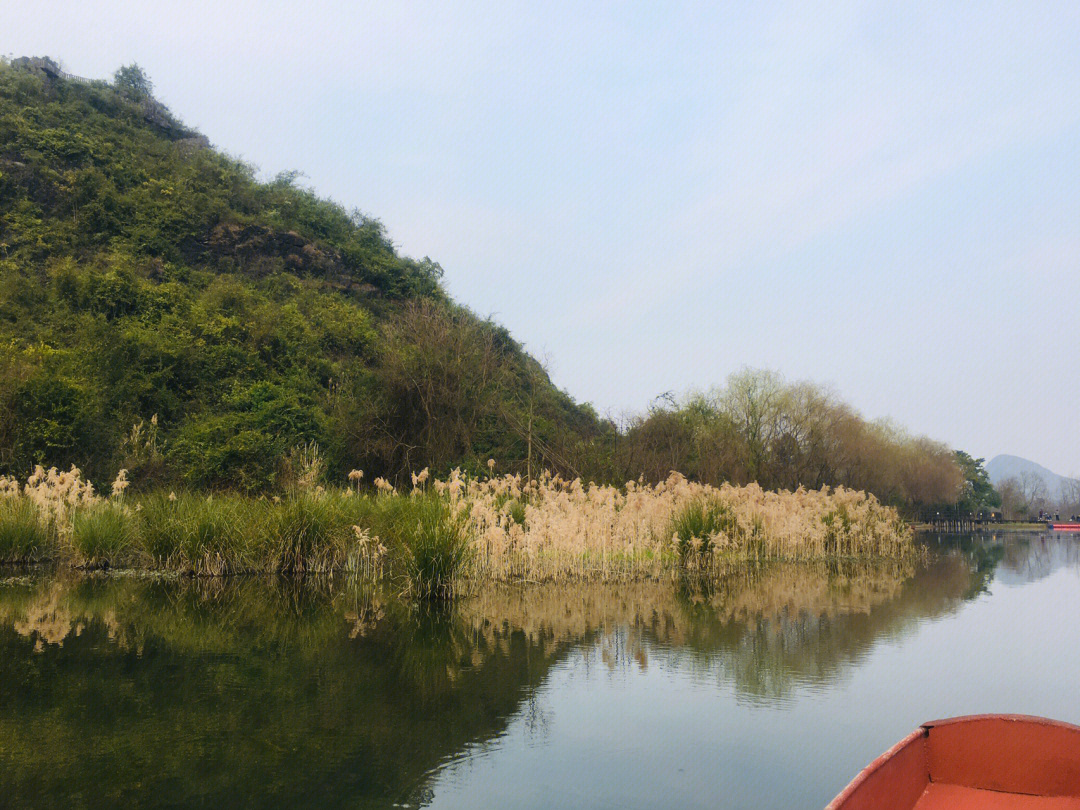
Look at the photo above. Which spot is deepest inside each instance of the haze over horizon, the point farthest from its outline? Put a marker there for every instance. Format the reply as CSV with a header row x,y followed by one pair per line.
x,y
887,201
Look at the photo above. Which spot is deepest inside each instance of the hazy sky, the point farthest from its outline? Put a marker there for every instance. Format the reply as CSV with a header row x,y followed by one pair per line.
x,y
883,197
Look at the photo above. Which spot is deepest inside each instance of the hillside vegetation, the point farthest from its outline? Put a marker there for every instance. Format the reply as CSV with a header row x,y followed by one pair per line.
x,y
165,312
143,273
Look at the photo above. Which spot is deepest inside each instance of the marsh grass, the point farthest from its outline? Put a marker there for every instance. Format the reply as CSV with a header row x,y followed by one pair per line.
x,y
24,536
700,526
583,531
435,546
101,535
160,529
195,533
305,533
515,510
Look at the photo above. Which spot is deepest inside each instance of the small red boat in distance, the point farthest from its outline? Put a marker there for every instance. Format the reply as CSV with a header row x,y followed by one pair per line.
x,y
988,761
1065,527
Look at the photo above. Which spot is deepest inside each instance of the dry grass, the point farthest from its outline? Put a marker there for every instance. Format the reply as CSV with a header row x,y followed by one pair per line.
x,y
551,528
447,532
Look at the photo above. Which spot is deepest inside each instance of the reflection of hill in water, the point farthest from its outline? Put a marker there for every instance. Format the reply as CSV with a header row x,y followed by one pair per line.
x,y
188,693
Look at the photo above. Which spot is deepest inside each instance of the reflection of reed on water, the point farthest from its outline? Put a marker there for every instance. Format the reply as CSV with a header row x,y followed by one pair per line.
x,y
200,692
200,688
798,619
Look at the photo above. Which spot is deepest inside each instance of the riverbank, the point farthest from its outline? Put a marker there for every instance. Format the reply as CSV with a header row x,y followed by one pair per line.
x,y
441,532
987,528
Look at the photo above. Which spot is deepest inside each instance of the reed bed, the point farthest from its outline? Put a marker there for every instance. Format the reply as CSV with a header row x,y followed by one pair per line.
x,y
443,534
551,529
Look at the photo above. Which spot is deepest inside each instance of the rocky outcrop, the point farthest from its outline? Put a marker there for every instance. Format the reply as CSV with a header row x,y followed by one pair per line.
x,y
157,114
258,251
39,65
153,111
192,142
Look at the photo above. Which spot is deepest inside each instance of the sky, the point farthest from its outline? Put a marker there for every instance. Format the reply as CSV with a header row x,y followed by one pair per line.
x,y
883,198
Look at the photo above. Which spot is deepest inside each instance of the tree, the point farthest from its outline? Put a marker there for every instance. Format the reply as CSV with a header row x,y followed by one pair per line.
x,y
755,402
978,493
441,373
1012,499
1070,495
1033,490
131,80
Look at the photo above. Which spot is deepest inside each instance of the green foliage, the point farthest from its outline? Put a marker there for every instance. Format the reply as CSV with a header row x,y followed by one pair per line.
x,y
434,543
101,534
24,536
696,525
242,445
144,273
50,414
978,492
131,80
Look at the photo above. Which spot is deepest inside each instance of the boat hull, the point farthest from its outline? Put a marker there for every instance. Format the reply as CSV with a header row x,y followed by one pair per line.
x,y
981,761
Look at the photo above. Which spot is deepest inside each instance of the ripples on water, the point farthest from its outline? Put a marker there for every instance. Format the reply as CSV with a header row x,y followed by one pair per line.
x,y
768,688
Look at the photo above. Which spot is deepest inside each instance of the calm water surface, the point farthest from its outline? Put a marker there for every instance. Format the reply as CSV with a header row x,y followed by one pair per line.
x,y
769,690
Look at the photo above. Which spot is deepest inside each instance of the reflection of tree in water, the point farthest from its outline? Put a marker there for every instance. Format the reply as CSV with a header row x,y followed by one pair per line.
x,y
834,617
1030,558
767,630
195,692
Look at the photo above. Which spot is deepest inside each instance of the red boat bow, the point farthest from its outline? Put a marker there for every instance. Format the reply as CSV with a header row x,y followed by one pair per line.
x,y
983,761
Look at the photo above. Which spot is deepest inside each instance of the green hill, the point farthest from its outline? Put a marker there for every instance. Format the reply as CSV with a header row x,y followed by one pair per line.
x,y
144,274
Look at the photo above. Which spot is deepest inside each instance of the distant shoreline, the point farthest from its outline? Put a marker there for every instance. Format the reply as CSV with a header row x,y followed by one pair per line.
x,y
1018,526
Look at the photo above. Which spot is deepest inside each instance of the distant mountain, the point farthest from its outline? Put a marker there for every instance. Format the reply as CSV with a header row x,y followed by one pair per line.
x,y
1003,467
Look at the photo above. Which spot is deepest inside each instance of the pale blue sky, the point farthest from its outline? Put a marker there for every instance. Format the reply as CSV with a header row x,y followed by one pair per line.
x,y
883,197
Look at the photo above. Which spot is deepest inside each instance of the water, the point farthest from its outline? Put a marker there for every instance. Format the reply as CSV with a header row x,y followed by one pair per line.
x,y
771,690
